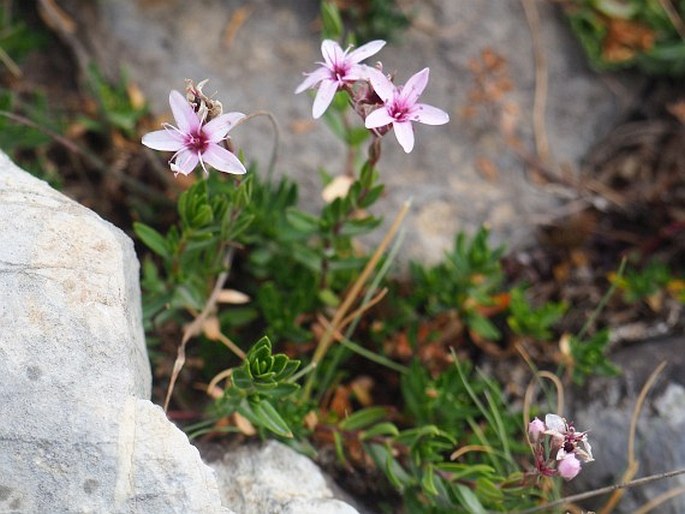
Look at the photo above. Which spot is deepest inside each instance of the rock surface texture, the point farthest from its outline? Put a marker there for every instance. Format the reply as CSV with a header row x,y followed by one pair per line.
x,y
77,431
460,175
272,478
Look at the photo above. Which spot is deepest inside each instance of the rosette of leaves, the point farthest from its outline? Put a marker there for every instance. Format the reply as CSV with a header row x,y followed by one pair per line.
x,y
258,385
648,34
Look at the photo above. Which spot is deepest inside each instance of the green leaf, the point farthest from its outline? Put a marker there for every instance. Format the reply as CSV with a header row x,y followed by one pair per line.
x,y
428,480
469,499
152,239
382,429
483,326
302,221
269,418
363,418
332,22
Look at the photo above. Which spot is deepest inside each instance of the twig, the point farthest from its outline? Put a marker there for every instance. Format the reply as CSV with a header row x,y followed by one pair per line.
x,y
194,328
603,490
633,464
673,17
541,82
277,138
93,160
328,336
658,500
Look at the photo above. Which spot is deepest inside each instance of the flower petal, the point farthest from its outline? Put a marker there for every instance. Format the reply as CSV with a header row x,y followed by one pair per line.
x,y
382,86
378,118
404,132
217,128
223,160
555,423
324,97
411,91
313,79
167,140
184,162
186,119
429,115
331,51
364,51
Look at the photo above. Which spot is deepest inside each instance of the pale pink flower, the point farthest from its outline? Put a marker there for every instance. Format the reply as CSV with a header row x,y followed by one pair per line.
x,y
569,466
535,430
401,107
338,69
194,140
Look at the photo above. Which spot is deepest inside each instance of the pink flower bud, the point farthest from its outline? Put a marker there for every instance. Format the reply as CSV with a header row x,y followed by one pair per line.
x,y
535,430
569,466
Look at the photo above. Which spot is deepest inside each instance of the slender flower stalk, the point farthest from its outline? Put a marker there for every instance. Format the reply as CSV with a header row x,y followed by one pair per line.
x,y
339,69
401,107
196,140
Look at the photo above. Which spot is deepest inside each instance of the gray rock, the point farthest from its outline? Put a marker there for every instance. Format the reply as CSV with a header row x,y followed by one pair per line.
x,y
605,406
77,431
257,64
272,478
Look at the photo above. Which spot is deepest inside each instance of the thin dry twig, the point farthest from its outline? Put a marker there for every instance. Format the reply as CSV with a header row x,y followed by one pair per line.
x,y
633,464
341,313
541,80
598,492
658,500
195,327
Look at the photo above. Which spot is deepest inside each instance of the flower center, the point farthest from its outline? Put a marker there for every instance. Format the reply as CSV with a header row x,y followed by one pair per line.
x,y
398,110
197,141
339,72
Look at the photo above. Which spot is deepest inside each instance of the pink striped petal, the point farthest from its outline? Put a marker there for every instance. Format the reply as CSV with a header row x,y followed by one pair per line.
x,y
324,97
382,86
167,140
331,52
378,118
184,162
313,79
429,115
223,160
364,51
404,132
217,128
185,117
414,87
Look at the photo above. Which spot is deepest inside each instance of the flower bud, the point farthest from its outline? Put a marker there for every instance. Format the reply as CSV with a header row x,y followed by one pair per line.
x,y
569,466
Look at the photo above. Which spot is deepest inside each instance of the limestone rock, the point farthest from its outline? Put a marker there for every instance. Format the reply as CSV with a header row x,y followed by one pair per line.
x,y
273,478
77,431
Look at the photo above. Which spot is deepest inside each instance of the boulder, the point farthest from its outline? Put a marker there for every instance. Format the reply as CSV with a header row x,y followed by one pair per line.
x,y
271,477
77,430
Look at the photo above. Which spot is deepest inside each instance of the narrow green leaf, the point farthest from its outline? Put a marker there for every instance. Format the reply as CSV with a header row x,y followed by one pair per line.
x,y
363,418
152,239
382,429
270,419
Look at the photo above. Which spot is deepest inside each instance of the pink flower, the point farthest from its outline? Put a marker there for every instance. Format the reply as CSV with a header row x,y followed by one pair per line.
x,y
569,466
194,140
401,107
535,430
338,69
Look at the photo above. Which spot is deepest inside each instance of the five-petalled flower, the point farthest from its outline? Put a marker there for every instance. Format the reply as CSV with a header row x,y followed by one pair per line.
x,y
195,140
340,68
401,107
